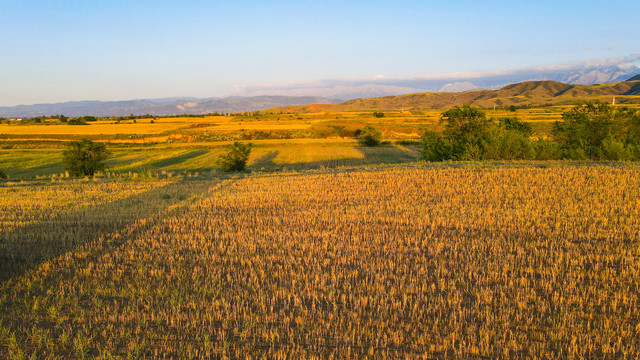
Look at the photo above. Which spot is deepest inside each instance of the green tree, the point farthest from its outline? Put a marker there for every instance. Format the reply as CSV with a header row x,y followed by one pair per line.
x,y
470,135
435,147
469,131
236,157
77,121
584,128
513,123
631,130
85,158
371,136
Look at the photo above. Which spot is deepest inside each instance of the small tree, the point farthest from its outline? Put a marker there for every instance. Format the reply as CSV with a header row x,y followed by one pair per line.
x,y
371,136
584,129
435,147
515,124
469,131
378,114
77,121
85,158
236,157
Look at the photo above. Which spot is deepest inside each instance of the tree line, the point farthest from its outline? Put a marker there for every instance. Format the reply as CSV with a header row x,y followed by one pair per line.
x,y
590,131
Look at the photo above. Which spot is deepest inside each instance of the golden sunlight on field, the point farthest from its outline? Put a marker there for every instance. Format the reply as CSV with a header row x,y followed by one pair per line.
x,y
98,128
410,262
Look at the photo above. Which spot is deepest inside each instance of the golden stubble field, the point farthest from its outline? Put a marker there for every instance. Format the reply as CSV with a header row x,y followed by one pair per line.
x,y
395,124
511,261
192,144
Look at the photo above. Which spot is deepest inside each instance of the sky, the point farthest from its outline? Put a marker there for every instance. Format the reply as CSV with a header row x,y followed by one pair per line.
x,y
53,51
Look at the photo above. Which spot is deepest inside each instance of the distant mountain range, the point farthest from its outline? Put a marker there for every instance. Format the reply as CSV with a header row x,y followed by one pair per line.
x,y
165,106
524,93
583,73
260,97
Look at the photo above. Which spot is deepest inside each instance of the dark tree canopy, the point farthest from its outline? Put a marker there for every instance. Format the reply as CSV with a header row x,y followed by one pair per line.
x,y
592,130
236,157
596,130
513,123
469,131
85,158
371,136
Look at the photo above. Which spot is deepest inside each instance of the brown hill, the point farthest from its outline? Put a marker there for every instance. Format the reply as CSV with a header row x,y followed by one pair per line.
x,y
524,93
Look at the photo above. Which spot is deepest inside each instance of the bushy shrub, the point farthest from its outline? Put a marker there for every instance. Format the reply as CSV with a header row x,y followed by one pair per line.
x,y
590,131
77,121
236,156
435,147
470,135
469,132
378,114
371,136
613,149
513,123
546,149
596,130
3,175
85,158
512,145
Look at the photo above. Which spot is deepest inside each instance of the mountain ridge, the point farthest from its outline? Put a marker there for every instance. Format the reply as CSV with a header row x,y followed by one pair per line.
x,y
545,92
540,92
159,107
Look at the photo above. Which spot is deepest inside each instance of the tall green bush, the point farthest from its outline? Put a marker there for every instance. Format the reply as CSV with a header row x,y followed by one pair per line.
x,y
469,131
371,136
596,130
435,147
85,158
236,156
515,124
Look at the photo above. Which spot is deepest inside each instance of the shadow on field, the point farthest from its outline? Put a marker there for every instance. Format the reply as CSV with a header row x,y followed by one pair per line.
x,y
27,246
40,170
266,160
386,154
174,160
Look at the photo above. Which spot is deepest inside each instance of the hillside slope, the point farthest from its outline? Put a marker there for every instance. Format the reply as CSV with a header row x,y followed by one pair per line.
x,y
524,93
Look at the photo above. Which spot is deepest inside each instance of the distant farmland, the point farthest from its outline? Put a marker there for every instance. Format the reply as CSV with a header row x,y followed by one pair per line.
x,y
191,144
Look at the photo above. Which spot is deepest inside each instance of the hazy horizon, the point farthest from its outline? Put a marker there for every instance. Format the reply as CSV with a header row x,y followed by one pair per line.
x,y
116,50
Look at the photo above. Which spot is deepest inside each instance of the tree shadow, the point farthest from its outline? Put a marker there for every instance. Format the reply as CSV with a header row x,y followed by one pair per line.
x,y
25,247
174,160
266,160
39,170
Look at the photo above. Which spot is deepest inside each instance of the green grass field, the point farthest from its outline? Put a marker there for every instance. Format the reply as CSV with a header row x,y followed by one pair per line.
x,y
282,141
268,155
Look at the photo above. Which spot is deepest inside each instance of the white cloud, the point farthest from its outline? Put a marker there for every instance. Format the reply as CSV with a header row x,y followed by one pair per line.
x,y
599,70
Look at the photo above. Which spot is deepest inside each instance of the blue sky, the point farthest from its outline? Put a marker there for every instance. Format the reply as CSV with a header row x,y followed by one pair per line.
x,y
113,50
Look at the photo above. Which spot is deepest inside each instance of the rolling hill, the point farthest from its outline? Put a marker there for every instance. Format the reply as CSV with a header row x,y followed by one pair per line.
x,y
520,94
